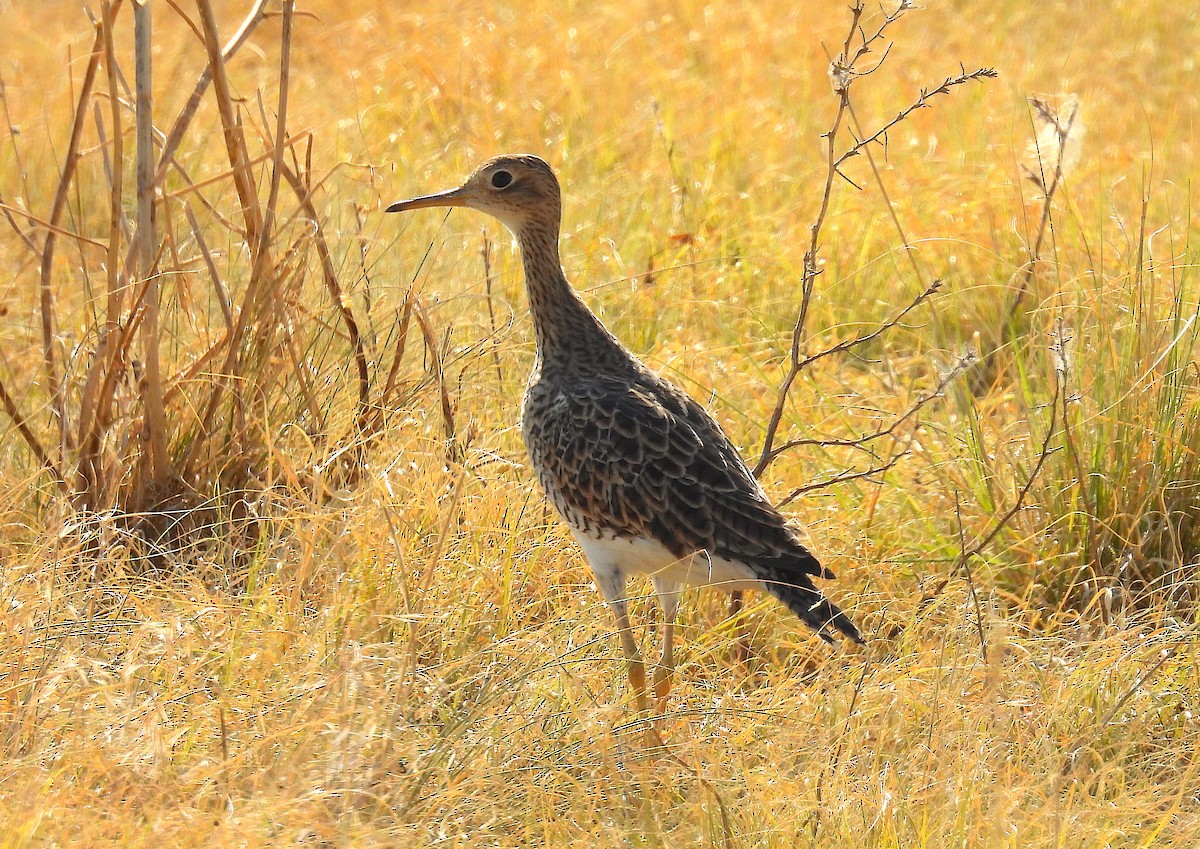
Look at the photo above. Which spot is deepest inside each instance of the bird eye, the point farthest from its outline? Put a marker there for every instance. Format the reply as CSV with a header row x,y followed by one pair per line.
x,y
501,180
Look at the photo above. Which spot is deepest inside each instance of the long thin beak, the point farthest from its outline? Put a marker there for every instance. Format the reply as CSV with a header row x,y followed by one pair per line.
x,y
453,197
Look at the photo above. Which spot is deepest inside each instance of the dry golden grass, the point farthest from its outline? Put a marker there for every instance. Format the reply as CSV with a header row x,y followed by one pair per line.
x,y
419,659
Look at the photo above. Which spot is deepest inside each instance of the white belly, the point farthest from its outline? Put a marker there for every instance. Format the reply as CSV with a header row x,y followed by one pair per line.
x,y
628,555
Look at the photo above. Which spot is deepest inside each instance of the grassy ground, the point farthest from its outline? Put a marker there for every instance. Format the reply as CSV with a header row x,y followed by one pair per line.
x,y
417,657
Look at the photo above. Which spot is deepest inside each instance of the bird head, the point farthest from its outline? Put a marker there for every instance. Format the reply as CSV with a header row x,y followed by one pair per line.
x,y
519,190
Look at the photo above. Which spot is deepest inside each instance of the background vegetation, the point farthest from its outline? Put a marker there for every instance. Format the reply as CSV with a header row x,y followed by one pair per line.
x,y
274,571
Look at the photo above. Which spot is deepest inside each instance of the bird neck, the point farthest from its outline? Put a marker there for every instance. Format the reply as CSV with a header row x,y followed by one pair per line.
x,y
562,323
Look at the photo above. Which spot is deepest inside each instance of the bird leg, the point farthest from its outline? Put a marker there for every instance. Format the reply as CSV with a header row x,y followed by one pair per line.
x,y
633,657
665,669
668,599
611,583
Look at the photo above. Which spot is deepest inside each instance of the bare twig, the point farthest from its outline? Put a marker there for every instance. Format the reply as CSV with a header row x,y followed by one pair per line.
x,y
846,477
1045,452
922,102
843,70
847,344
770,452
861,442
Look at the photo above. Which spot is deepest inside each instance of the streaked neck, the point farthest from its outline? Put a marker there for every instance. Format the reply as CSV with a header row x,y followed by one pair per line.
x,y
564,326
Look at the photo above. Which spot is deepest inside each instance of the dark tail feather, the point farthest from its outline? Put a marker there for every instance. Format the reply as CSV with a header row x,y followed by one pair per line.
x,y
815,611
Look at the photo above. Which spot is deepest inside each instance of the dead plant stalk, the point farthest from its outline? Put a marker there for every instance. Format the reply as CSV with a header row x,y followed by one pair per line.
x,y
263,270
46,283
152,395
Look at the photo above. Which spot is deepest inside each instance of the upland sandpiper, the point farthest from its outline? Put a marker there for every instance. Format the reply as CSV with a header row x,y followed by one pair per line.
x,y
645,478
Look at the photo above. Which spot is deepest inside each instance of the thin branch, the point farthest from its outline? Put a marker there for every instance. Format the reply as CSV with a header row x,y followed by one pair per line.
x,y
769,452
843,72
922,102
1033,475
847,344
965,555
845,477
962,365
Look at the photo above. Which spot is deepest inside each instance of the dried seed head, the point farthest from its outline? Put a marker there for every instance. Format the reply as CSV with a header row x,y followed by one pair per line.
x,y
1055,149
1060,343
968,358
841,74
964,361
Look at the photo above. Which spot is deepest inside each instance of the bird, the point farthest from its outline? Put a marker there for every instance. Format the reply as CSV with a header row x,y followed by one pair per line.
x,y
642,474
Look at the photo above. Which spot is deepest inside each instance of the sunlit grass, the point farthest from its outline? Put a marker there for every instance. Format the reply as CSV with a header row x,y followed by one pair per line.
x,y
420,659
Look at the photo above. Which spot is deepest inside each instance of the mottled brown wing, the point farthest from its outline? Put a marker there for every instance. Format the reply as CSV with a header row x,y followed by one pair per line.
x,y
646,459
